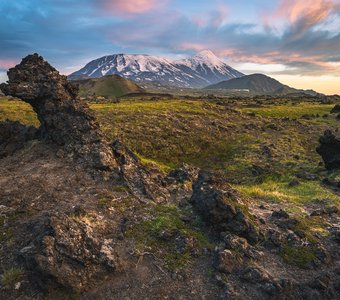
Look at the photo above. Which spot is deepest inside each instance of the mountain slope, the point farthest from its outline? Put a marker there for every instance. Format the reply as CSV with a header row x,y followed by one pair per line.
x,y
107,86
198,71
254,83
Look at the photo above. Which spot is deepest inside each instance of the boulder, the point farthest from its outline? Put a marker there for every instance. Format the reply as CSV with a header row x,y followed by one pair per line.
x,y
335,109
226,261
73,251
329,149
184,173
221,206
280,214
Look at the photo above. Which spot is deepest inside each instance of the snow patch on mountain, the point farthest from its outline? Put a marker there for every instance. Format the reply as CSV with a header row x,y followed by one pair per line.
x,y
203,69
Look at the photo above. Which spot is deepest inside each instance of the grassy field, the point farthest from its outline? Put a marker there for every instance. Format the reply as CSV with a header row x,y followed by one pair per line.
x,y
17,111
291,110
261,149
108,86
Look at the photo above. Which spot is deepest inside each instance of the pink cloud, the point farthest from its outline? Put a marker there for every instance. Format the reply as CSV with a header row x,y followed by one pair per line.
x,y
192,46
7,63
301,14
117,7
315,10
214,18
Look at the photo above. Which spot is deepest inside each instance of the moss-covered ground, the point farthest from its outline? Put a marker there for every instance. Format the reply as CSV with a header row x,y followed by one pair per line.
x,y
261,147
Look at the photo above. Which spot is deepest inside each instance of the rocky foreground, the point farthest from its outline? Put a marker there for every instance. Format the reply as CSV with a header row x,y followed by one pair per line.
x,y
82,218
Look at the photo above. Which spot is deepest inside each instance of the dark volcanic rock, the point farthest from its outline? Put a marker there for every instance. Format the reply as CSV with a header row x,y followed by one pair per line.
x,y
335,109
64,119
329,149
183,174
68,250
13,137
69,123
280,214
221,206
139,179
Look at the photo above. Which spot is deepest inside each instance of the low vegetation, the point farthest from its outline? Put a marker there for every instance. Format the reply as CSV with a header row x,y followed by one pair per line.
x,y
260,145
11,277
168,233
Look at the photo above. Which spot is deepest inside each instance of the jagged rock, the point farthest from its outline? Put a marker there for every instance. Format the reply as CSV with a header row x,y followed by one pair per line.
x,y
264,281
64,119
226,261
139,179
274,239
335,109
323,284
70,250
69,123
185,244
236,243
221,206
329,150
332,183
13,137
325,211
183,174
280,214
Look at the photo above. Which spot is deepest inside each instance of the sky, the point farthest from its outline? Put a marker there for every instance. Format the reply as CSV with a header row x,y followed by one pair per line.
x,y
294,41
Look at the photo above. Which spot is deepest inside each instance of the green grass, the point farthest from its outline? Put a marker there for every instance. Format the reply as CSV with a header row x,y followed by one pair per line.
x,y
166,133
298,256
278,191
17,111
108,86
293,111
167,218
10,277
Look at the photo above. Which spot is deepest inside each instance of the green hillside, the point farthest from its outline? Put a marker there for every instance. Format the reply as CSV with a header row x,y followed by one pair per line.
x,y
255,83
107,86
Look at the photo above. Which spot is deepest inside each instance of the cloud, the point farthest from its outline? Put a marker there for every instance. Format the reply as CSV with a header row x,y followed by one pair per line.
x,y
301,15
118,7
7,63
313,11
3,76
70,33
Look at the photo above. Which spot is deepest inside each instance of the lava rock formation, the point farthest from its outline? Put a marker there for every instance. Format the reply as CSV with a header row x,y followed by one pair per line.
x,y
329,149
65,120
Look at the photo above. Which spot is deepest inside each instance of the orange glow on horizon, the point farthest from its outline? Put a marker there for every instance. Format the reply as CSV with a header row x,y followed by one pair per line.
x,y
327,84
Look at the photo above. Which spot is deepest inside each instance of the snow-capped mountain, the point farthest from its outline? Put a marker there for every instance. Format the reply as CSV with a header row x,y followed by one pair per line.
x,y
201,70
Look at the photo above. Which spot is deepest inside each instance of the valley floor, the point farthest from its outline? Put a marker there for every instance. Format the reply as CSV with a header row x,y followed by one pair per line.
x,y
265,149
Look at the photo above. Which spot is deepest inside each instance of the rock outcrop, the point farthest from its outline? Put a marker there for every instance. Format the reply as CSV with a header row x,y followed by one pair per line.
x,y
335,109
69,123
221,206
65,120
70,250
142,182
329,149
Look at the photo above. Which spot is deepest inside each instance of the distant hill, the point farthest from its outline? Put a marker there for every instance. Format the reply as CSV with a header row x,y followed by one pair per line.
x,y
107,86
194,72
255,83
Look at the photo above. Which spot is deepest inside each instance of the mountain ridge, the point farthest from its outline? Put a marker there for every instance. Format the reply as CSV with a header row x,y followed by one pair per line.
x,y
200,70
255,83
